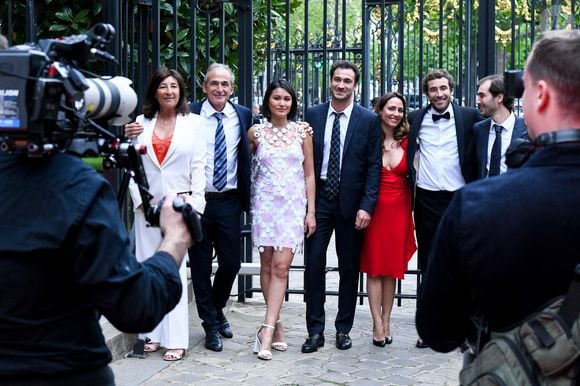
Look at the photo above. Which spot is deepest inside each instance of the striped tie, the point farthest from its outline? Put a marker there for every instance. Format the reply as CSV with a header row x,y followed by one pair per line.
x,y
333,171
220,161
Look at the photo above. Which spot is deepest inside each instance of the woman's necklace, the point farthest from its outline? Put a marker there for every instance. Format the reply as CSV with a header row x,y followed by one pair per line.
x,y
281,136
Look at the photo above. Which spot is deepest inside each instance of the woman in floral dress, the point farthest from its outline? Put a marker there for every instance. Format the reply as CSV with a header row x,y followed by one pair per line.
x,y
282,203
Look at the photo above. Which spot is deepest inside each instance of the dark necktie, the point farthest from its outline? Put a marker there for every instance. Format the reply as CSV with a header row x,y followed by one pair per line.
x,y
495,157
333,171
220,161
437,117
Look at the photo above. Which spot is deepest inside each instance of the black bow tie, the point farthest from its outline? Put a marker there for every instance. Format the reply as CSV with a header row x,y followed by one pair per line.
x,y
437,117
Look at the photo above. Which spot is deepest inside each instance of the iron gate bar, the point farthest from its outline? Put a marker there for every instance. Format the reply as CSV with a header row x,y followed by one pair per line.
x,y
246,69
192,50
154,29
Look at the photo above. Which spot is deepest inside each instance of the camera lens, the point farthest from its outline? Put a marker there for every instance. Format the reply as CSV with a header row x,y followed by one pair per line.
x,y
112,99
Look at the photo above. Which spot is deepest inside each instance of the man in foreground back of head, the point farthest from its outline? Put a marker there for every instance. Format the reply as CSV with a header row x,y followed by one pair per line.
x,y
66,258
509,244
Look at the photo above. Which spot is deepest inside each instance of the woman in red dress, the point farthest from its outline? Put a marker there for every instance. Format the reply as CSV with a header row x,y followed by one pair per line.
x,y
389,240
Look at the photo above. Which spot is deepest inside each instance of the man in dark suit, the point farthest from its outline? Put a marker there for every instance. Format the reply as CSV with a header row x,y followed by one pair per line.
x,y
347,168
509,244
493,102
441,157
221,220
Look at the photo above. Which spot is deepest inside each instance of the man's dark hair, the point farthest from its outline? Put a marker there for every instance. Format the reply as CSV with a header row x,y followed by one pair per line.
x,y
496,87
345,64
555,59
283,84
151,105
437,74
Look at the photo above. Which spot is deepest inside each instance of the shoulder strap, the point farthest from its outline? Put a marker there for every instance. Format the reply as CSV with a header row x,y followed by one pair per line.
x,y
571,306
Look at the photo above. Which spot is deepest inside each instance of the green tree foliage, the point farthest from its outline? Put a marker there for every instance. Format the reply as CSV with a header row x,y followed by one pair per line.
x,y
56,18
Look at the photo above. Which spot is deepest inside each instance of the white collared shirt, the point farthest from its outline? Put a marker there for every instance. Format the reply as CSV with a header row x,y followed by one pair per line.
x,y
506,138
344,119
439,168
231,124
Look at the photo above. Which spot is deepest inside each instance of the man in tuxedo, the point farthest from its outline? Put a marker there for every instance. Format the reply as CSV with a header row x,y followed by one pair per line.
x,y
440,156
347,167
491,147
509,244
225,202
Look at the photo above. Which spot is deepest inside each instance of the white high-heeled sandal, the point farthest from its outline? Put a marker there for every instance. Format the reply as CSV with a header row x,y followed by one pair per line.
x,y
279,346
262,353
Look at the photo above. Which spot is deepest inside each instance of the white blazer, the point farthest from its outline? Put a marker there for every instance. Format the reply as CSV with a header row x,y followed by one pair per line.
x,y
183,169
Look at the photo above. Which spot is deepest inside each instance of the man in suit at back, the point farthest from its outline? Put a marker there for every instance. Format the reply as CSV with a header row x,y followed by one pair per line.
x,y
441,157
493,102
226,199
347,168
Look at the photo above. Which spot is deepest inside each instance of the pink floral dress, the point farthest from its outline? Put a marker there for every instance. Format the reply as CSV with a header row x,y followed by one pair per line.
x,y
278,190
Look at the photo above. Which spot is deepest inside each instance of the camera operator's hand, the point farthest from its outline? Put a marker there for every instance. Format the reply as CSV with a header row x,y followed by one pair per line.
x,y
133,129
176,236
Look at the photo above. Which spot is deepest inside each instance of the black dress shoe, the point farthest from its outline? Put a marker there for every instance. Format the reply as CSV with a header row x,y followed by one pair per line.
x,y
226,329
388,340
421,344
343,341
213,341
312,343
380,343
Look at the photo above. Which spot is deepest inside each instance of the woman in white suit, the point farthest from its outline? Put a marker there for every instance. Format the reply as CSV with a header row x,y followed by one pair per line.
x,y
175,162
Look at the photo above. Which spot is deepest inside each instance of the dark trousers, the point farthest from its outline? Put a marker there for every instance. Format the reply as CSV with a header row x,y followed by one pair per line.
x,y
429,208
100,376
221,231
348,243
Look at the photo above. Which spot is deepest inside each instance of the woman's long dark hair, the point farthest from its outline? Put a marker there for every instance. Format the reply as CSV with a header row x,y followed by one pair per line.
x,y
151,105
402,130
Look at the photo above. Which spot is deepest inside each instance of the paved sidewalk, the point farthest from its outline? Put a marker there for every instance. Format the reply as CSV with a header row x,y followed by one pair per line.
x,y
364,364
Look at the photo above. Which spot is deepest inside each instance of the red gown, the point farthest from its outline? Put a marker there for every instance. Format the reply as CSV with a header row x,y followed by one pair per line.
x,y
389,240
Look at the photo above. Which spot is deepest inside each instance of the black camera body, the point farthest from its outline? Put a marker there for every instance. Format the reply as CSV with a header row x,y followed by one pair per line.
x,y
45,100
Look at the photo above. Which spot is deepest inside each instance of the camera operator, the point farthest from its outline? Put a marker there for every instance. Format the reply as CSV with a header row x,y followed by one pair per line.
x,y
508,245
66,258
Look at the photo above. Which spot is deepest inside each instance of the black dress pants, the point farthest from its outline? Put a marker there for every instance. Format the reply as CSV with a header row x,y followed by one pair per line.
x,y
348,242
429,208
221,231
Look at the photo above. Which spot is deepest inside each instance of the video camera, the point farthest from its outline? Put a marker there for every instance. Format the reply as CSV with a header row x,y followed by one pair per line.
x,y
45,99
47,105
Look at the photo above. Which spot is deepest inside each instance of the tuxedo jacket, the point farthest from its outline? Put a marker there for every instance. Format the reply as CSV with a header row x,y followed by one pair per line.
x,y
361,164
465,118
481,133
243,168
